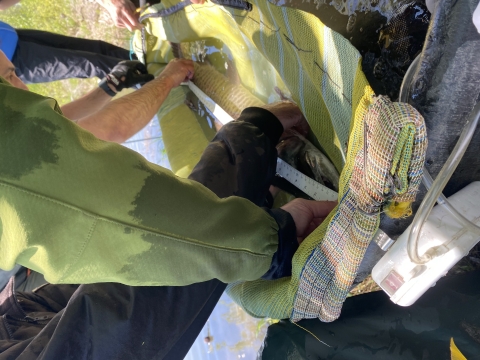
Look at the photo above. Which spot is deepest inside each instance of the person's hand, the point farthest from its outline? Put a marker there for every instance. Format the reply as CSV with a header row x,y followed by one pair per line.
x,y
288,113
178,71
308,214
5,4
122,13
125,74
199,2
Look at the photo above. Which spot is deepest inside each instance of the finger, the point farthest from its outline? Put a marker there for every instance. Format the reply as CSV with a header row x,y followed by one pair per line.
x,y
319,209
314,224
310,228
131,6
127,25
141,68
130,19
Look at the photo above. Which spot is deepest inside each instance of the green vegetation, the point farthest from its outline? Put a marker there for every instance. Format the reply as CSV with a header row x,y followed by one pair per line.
x,y
78,18
253,331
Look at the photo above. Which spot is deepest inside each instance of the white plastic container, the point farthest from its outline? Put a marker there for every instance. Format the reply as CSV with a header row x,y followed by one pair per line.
x,y
476,18
405,281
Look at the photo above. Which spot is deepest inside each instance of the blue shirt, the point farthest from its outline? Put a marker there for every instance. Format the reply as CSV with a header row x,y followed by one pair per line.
x,y
8,40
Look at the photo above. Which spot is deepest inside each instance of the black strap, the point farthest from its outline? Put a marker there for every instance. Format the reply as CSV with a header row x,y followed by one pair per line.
x,y
104,86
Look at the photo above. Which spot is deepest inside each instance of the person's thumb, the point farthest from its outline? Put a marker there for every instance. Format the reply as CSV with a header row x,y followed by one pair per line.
x,y
141,68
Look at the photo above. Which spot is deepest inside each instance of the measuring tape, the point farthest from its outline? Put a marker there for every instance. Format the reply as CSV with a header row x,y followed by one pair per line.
x,y
220,114
302,182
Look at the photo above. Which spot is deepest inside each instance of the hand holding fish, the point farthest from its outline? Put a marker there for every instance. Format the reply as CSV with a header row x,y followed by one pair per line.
x,y
308,215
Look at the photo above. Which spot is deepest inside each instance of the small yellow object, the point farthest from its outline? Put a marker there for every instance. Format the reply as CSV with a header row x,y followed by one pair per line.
x,y
396,210
141,8
455,353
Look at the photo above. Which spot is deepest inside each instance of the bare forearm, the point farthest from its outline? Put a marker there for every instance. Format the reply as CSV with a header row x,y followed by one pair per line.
x,y
122,118
86,105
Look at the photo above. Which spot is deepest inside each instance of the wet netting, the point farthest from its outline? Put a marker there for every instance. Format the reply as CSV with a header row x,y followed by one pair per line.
x,y
257,54
388,34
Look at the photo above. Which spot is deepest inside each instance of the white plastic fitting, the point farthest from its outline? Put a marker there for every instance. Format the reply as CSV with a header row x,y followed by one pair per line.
x,y
404,280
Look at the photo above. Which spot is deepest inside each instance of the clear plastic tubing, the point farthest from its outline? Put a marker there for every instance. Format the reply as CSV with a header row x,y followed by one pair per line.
x,y
407,80
442,200
437,187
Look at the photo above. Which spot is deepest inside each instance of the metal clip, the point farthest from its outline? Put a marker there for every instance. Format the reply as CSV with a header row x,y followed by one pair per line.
x,y
383,240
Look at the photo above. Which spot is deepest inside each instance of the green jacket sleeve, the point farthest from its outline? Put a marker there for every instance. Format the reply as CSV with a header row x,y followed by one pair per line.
x,y
81,210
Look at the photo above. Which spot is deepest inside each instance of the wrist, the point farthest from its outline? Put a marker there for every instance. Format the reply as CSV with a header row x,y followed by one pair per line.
x,y
165,81
108,88
281,265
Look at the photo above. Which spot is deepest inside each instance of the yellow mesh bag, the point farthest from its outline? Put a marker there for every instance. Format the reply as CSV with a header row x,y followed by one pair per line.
x,y
289,51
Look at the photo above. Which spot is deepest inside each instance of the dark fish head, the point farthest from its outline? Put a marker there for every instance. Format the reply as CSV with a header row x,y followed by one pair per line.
x,y
289,147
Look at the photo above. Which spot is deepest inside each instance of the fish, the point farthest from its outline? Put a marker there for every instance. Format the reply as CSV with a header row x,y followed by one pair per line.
x,y
233,97
300,153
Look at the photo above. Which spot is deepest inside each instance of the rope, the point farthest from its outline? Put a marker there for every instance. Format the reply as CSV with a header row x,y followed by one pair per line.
x,y
236,4
308,331
166,12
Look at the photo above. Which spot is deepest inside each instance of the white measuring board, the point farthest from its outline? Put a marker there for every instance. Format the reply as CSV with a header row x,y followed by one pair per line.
x,y
309,186
302,182
211,105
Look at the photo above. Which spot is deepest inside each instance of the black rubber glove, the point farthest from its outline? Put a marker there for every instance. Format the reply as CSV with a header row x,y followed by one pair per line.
x,y
125,74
